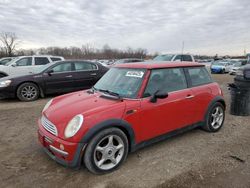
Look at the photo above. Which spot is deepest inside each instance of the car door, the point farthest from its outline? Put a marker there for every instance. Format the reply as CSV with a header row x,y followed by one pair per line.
x,y
59,78
86,74
201,85
171,113
21,66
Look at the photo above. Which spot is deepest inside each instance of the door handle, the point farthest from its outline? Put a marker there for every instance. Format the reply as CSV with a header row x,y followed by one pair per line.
x,y
69,76
93,74
189,96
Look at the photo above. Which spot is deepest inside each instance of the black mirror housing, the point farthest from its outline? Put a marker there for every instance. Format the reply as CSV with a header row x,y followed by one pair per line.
x,y
49,72
158,95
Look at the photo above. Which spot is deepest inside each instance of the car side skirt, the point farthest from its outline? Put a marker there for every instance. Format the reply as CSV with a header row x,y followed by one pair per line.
x,y
165,136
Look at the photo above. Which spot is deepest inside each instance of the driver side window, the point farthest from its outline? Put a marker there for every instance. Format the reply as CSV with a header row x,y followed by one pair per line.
x,y
24,62
177,58
165,80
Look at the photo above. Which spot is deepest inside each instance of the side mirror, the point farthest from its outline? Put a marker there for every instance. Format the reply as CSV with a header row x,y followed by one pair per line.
x,y
13,64
158,95
49,72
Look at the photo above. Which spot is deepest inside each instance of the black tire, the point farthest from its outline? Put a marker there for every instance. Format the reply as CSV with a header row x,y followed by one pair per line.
x,y
209,118
33,95
223,71
91,151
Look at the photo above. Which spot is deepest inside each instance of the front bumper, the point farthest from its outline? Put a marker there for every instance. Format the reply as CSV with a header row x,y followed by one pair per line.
x,y
7,92
66,153
233,72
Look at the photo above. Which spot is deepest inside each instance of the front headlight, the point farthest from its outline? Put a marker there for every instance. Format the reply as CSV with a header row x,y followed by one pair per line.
x,y
73,126
47,105
5,83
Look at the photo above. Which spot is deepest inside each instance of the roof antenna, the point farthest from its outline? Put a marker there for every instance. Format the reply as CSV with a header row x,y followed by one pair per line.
x,y
182,49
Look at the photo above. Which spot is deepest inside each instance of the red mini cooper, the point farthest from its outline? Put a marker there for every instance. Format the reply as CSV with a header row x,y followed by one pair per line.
x,y
131,106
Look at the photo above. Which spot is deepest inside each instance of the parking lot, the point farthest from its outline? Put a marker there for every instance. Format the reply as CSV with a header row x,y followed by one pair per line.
x,y
195,158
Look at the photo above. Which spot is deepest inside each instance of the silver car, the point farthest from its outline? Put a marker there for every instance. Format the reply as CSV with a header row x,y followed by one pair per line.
x,y
26,64
5,60
234,69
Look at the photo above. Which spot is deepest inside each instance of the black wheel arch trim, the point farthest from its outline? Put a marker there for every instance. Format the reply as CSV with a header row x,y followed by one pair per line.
x,y
118,123
215,100
33,82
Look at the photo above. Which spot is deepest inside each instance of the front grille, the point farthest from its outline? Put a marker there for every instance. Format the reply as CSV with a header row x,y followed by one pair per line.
x,y
50,127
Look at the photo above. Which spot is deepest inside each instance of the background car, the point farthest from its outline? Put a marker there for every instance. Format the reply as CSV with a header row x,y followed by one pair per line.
x,y
206,62
58,77
221,66
237,65
128,60
26,64
5,60
174,57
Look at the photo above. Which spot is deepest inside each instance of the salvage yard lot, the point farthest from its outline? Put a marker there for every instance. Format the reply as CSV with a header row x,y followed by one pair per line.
x,y
195,158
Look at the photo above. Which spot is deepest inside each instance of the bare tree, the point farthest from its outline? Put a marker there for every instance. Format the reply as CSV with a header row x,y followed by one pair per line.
x,y
10,42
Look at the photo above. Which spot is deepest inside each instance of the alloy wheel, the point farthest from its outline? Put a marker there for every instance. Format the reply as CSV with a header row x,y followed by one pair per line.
x,y
109,152
29,92
217,117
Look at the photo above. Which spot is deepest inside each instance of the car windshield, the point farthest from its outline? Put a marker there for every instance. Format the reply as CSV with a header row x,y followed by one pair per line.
x,y
125,82
237,64
4,61
120,61
223,63
166,57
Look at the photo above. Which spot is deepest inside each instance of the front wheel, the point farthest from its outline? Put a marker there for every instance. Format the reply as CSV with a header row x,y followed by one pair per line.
x,y
28,92
106,151
215,118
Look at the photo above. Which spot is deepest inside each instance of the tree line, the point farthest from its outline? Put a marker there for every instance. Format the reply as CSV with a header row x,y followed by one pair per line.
x,y
9,47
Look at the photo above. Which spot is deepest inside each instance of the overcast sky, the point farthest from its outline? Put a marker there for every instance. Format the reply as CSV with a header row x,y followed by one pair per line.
x,y
206,26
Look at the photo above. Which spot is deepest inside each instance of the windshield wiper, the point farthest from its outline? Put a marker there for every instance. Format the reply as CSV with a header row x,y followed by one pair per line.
x,y
109,92
92,90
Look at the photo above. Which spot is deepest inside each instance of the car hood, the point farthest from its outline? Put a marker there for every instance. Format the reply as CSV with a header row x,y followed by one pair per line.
x,y
4,67
93,107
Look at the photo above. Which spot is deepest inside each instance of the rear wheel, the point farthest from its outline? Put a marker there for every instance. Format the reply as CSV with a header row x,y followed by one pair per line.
x,y
28,92
106,151
215,118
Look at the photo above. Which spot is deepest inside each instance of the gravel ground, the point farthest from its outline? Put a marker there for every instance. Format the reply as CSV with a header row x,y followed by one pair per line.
x,y
193,159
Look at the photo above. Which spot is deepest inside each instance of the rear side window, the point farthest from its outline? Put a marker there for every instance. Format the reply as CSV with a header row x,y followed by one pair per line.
x,y
199,76
27,61
134,60
85,66
41,60
55,59
177,58
186,58
64,67
165,80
